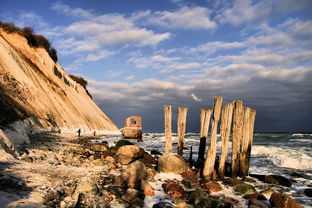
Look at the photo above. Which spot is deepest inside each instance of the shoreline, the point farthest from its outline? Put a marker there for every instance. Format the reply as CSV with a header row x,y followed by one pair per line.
x,y
44,176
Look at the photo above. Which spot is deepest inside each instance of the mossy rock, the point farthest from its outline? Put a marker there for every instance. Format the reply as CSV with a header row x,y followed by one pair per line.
x,y
245,189
122,142
202,199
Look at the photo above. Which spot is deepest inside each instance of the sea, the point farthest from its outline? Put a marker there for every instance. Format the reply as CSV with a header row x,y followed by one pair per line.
x,y
285,154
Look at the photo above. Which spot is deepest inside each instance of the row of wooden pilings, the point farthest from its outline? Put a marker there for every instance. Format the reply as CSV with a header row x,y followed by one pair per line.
x,y
236,121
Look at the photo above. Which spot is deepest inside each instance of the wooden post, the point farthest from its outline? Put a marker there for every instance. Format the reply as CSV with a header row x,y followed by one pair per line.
x,y
237,135
251,132
205,115
182,112
226,122
168,134
243,170
211,154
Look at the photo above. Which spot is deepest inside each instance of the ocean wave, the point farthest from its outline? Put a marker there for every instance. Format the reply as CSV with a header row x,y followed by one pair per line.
x,y
301,135
282,157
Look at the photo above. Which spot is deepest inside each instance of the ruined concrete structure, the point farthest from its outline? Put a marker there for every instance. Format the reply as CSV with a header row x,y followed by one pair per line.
x,y
133,128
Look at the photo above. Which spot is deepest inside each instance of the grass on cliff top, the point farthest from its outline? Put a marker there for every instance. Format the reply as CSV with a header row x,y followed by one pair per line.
x,y
33,39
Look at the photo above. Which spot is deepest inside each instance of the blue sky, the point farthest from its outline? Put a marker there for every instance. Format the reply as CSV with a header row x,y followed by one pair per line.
x,y
139,55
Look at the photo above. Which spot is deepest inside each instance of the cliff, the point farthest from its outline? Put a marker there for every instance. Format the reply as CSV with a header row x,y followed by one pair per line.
x,y
37,92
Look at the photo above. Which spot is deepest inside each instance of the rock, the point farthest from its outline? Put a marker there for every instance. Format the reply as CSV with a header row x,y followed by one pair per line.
x,y
118,181
211,186
258,196
122,142
202,199
267,193
245,189
89,200
131,151
98,162
112,165
63,204
190,175
173,189
99,147
277,179
124,159
134,174
110,158
130,195
308,192
148,159
117,203
229,200
151,174
147,188
155,152
259,177
258,203
172,163
26,158
232,181
178,202
85,186
52,194
163,205
281,201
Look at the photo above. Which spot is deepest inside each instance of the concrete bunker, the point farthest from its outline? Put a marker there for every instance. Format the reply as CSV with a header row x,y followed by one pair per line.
x,y
132,128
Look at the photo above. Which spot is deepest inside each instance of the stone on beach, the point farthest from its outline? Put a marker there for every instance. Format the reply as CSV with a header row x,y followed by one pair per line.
x,y
134,173
245,189
172,163
85,186
122,142
277,179
99,147
131,151
173,189
278,200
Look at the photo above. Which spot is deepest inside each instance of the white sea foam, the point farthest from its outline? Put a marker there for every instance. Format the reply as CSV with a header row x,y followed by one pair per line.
x,y
282,157
301,135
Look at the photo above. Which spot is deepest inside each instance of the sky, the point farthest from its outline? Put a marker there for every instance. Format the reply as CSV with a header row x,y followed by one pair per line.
x,y
139,55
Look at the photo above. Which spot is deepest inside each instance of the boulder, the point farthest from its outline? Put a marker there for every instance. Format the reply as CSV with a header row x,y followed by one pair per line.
x,y
278,180
118,203
258,196
202,199
85,186
122,142
278,200
232,182
148,159
134,173
124,159
89,200
178,202
308,192
267,193
163,205
258,203
131,151
172,163
147,188
97,162
99,147
212,186
173,189
245,189
130,195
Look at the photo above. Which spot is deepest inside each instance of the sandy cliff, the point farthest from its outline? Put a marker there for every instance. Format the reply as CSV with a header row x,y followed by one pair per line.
x,y
35,88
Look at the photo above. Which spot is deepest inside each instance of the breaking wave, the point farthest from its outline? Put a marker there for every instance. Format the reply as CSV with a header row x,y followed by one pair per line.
x,y
282,157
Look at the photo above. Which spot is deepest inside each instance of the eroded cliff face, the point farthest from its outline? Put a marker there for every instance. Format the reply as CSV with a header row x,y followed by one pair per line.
x,y
33,86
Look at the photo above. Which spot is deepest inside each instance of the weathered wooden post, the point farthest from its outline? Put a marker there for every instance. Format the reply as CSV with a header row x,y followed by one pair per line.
x,y
205,115
226,122
243,170
182,113
237,135
168,134
251,134
211,154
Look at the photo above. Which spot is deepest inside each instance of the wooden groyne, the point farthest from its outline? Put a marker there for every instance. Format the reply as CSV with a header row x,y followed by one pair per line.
x,y
232,121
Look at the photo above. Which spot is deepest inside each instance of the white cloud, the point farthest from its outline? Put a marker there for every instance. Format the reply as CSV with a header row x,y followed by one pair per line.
x,y
193,18
195,98
129,77
73,12
98,56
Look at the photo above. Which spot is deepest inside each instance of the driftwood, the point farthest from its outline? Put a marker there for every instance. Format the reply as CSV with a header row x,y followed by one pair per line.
x,y
182,113
237,135
211,153
168,133
226,122
205,115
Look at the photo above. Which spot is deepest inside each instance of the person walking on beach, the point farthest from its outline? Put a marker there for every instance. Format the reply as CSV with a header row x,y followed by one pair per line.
x,y
94,133
79,131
